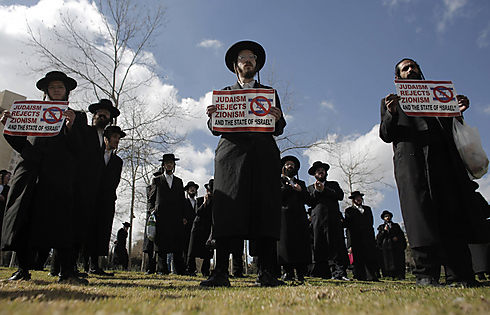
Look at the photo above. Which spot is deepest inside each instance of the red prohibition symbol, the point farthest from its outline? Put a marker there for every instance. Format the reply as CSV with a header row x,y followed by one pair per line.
x,y
256,101
443,94
52,118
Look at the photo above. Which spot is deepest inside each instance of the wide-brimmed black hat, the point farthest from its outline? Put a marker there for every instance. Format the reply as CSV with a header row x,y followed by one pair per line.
x,y
126,224
104,104
169,156
291,158
209,186
386,212
114,129
232,53
316,165
190,184
70,84
355,194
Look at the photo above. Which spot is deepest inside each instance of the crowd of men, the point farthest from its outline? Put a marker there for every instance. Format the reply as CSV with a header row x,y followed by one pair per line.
x,y
69,211
293,230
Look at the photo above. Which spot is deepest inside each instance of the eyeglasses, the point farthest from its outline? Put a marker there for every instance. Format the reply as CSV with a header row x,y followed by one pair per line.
x,y
250,57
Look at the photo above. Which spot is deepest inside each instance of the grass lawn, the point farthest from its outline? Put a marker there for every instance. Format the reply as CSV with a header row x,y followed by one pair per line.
x,y
136,293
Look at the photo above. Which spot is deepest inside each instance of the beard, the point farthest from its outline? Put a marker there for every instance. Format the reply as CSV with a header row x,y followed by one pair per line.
x,y
101,123
247,74
414,76
191,195
290,172
320,178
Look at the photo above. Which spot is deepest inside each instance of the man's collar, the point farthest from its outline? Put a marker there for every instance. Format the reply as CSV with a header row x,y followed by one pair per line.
x,y
248,85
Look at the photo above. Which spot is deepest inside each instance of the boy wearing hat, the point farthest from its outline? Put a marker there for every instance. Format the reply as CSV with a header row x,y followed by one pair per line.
x,y
330,258
247,200
191,205
121,256
391,240
359,223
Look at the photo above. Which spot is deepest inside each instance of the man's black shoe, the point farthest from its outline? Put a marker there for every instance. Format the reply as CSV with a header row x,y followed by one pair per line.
x,y
428,282
101,272
287,277
265,279
72,278
20,275
465,284
217,279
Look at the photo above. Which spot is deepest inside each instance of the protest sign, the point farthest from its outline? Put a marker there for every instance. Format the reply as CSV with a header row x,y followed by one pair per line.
x,y
246,110
36,118
427,98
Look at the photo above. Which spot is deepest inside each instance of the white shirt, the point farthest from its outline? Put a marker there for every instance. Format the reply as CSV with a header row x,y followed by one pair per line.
x,y
360,208
193,202
248,85
107,156
170,179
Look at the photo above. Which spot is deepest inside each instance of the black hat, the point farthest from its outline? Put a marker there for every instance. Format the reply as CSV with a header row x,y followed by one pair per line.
x,y
232,53
126,224
354,194
293,159
104,104
209,186
385,212
114,129
169,156
70,84
190,184
316,165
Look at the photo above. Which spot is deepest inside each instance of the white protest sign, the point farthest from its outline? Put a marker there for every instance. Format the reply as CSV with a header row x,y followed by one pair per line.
x,y
246,110
427,98
36,118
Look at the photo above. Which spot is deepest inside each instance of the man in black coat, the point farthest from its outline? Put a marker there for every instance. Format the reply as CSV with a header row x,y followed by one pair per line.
x,y
192,203
359,223
391,240
329,252
167,201
437,197
121,256
247,196
200,234
105,204
4,190
294,246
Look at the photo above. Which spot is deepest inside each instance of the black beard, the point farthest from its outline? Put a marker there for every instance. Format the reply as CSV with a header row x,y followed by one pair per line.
x,y
169,172
101,123
290,172
414,76
320,178
246,74
191,195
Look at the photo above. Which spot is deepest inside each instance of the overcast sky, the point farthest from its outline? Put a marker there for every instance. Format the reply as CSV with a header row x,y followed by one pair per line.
x,y
338,56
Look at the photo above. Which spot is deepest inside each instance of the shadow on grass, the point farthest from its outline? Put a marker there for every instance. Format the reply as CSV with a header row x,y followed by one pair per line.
x,y
51,294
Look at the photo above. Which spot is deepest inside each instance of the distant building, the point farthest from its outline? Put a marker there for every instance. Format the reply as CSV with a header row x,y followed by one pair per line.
x,y
8,157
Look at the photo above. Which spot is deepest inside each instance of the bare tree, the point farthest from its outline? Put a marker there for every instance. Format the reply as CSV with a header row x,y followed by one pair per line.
x,y
294,138
110,54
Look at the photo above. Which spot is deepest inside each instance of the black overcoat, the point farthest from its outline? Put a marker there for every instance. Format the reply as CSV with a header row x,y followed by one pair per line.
x,y
361,232
414,173
168,205
121,256
38,213
393,251
326,220
201,230
190,215
247,182
294,246
105,205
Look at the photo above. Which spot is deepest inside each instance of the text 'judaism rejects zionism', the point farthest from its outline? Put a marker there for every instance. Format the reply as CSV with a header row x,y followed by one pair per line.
x,y
246,110
427,98
36,118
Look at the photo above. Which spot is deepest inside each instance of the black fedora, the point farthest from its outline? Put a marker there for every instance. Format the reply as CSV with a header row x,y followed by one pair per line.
x,y
354,194
114,129
316,165
169,156
104,104
190,184
70,84
293,159
386,212
126,224
209,186
232,53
